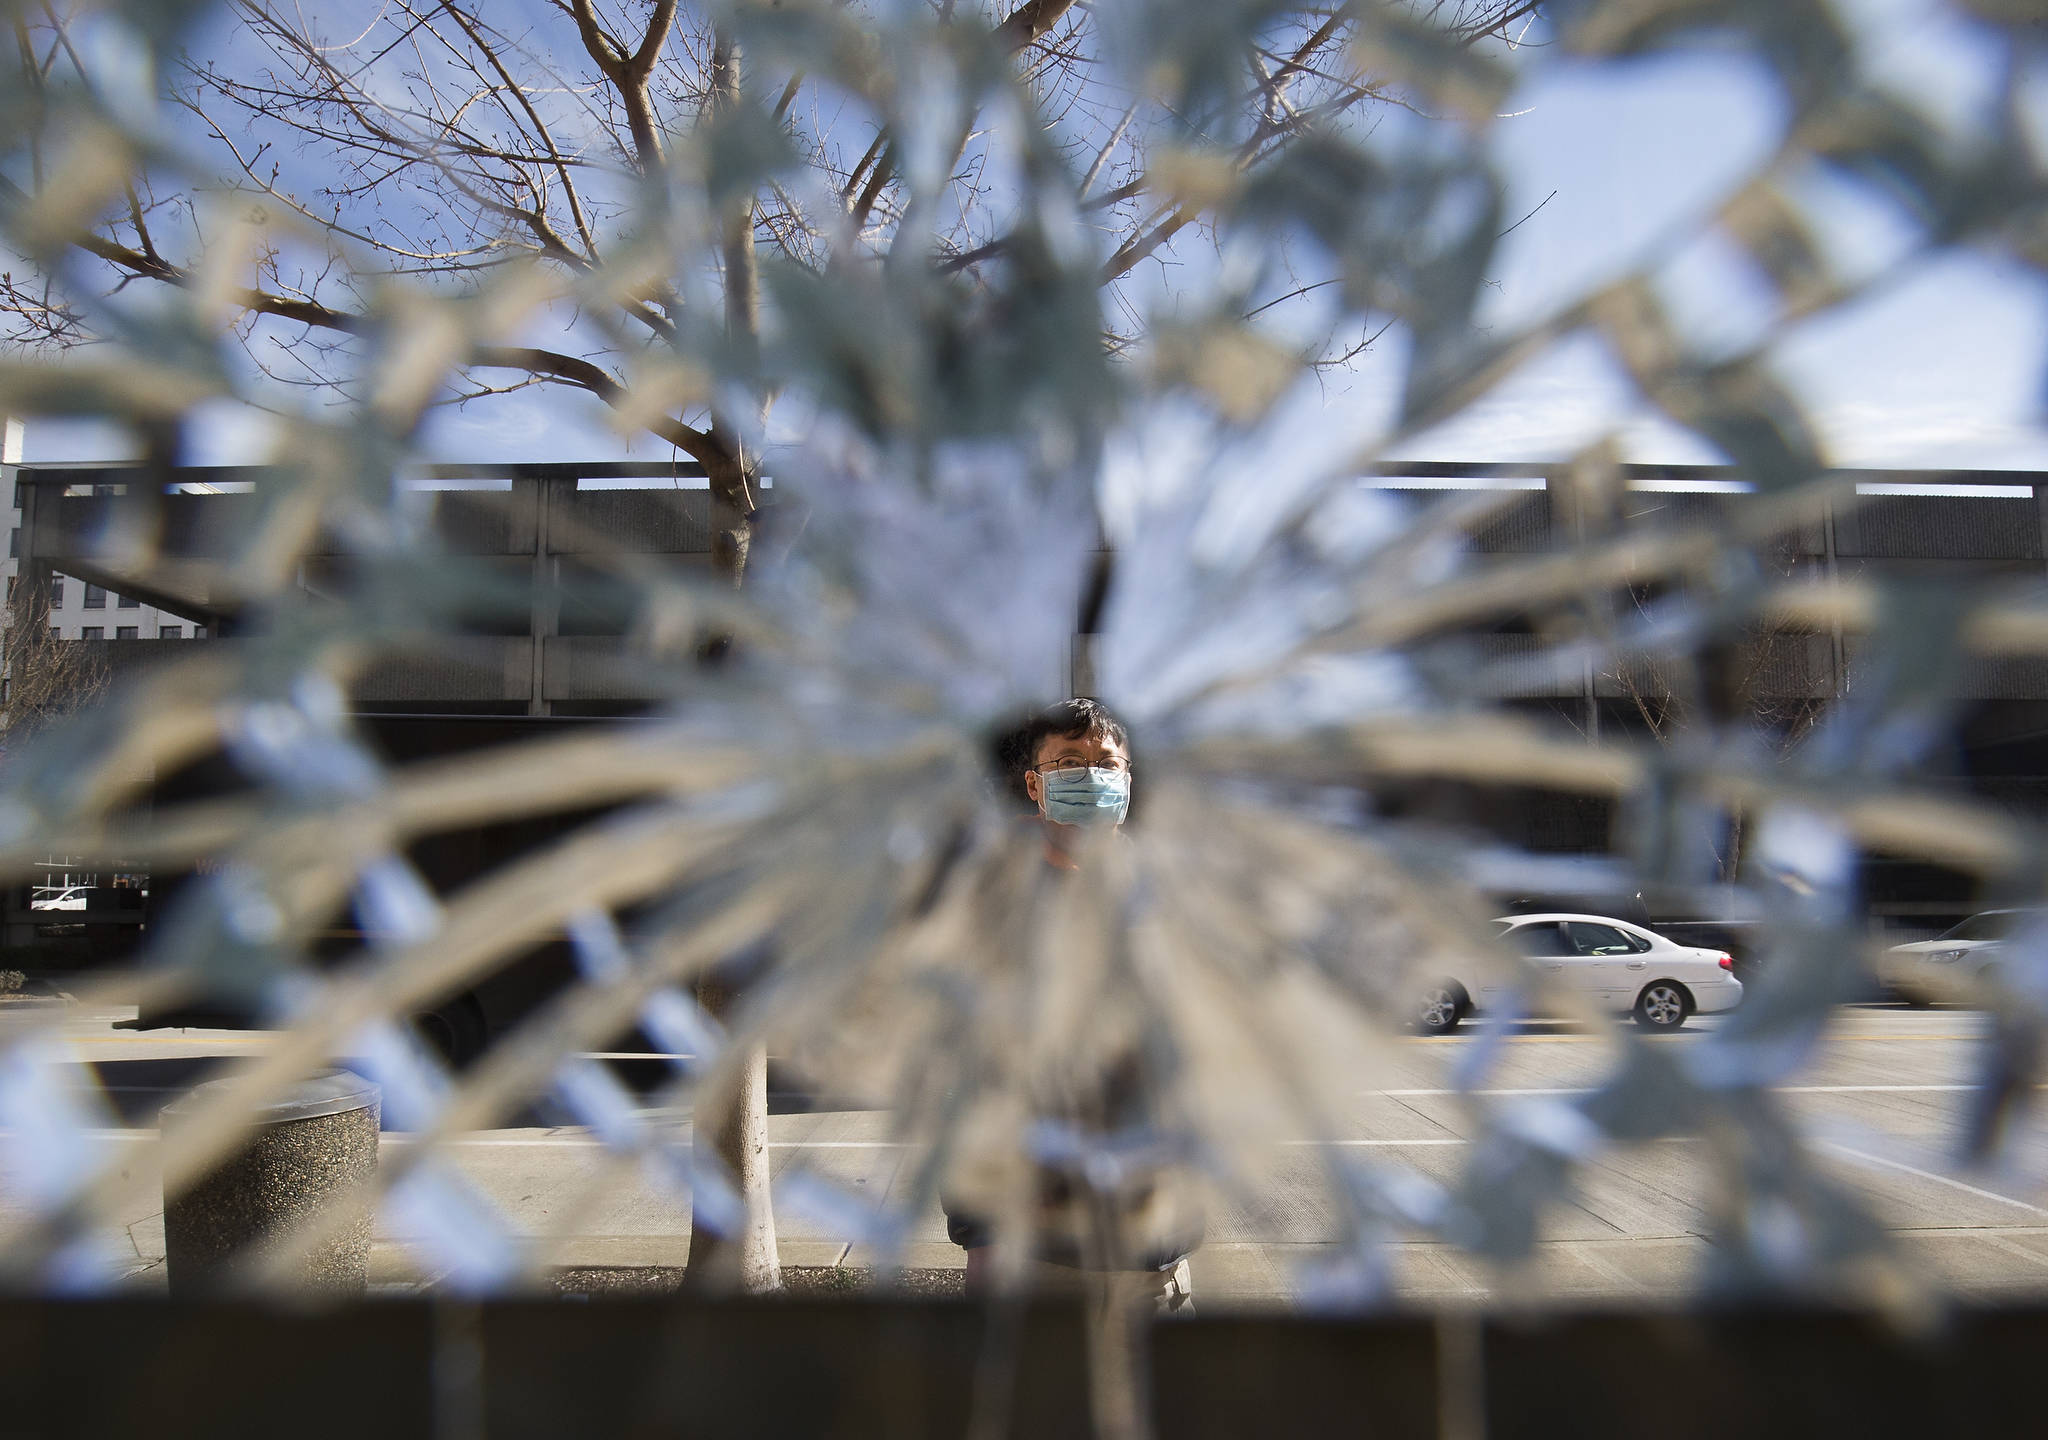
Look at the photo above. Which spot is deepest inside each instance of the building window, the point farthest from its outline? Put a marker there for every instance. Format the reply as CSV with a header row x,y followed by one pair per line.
x,y
14,543
95,597
128,632
170,632
198,632
57,593
128,602
93,632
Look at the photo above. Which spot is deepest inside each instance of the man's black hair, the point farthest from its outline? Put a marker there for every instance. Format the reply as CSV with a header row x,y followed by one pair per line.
x,y
1015,748
1070,720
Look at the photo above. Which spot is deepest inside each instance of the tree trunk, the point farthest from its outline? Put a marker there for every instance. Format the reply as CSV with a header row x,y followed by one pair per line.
x,y
733,1120
734,477
734,469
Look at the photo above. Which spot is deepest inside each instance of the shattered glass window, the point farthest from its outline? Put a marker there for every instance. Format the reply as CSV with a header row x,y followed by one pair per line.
x,y
670,813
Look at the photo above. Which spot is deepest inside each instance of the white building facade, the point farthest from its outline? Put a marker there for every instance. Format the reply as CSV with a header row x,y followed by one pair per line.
x,y
79,611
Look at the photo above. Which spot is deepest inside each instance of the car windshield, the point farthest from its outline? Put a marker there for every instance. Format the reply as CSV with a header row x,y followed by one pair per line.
x,y
1991,925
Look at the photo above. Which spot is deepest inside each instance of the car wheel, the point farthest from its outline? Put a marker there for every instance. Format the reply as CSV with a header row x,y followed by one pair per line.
x,y
1443,1006
1663,1005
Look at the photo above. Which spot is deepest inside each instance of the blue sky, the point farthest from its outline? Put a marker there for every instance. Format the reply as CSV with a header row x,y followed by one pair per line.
x,y
1942,370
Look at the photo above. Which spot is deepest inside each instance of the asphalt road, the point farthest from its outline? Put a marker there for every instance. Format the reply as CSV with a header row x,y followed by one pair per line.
x,y
1882,1101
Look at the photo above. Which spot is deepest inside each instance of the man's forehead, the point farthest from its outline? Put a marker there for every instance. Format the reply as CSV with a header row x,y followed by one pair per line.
x,y
1100,740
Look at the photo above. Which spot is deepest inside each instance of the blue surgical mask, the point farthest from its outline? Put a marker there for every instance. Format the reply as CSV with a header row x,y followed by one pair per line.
x,y
1091,796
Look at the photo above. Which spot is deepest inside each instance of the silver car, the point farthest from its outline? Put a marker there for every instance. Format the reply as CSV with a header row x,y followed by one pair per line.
x,y
1956,964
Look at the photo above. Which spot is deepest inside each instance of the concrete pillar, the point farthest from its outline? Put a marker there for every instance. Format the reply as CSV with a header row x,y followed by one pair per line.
x,y
550,494
12,433
309,1150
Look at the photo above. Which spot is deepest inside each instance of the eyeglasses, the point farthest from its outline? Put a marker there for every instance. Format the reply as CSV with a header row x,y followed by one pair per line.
x,y
1067,763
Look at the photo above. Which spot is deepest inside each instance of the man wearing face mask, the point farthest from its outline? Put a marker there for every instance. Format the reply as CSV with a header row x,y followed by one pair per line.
x,y
1077,772
1073,763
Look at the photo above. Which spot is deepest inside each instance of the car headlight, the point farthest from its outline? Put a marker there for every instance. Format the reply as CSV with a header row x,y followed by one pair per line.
x,y
1944,957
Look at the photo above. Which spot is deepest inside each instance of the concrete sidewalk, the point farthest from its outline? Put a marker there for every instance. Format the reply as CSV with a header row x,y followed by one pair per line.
x,y
1884,1096
560,1188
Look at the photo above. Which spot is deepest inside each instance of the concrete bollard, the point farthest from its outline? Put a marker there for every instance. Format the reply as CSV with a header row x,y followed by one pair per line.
x,y
309,1149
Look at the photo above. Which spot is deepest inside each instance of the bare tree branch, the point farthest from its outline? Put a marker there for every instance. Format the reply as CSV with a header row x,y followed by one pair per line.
x,y
47,678
1031,20
629,73
540,128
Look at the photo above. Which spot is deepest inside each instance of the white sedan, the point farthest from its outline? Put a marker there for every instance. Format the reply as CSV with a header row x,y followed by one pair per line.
x,y
1622,965
1957,964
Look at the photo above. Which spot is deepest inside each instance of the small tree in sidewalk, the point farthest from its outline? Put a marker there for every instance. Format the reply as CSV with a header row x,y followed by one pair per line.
x,y
46,677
